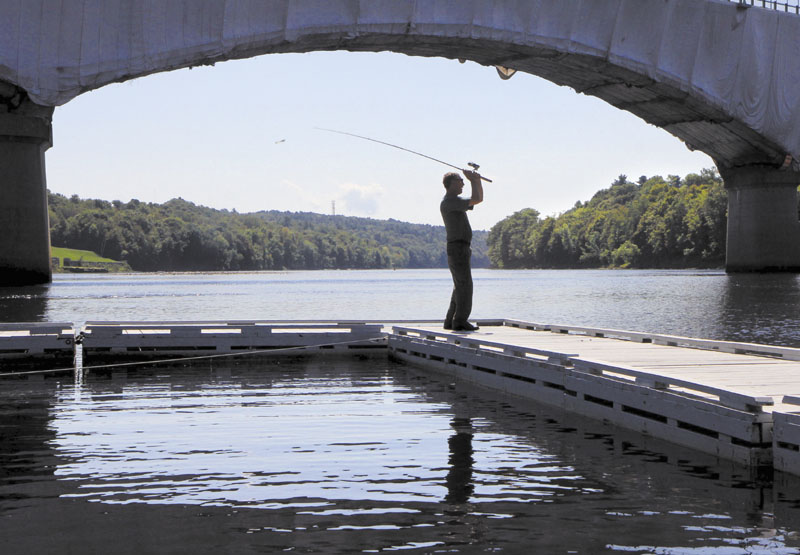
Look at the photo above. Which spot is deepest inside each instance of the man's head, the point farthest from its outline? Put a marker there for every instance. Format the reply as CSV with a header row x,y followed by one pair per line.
x,y
453,182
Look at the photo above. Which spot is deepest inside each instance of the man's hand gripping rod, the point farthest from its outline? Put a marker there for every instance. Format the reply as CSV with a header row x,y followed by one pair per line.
x,y
473,165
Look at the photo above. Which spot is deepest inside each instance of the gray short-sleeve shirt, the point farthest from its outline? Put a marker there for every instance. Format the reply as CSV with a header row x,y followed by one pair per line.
x,y
454,214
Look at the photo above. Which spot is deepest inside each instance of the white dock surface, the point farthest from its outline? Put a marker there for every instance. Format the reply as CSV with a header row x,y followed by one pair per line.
x,y
736,400
745,374
750,375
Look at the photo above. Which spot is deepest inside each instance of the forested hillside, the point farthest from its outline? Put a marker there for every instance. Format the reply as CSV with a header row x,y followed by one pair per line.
x,y
180,236
654,223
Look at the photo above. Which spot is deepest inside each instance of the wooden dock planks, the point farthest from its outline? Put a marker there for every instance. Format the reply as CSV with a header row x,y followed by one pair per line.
x,y
715,396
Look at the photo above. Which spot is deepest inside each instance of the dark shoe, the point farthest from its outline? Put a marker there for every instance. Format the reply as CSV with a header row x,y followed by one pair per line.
x,y
465,327
447,325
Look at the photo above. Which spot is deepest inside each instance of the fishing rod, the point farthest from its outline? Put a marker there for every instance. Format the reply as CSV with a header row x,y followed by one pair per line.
x,y
473,165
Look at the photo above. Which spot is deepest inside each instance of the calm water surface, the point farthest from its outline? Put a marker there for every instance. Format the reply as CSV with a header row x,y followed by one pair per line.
x,y
708,304
342,455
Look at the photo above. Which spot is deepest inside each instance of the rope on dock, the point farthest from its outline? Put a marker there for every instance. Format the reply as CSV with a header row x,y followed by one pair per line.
x,y
183,359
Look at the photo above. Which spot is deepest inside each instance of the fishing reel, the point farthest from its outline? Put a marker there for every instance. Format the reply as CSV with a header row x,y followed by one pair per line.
x,y
475,167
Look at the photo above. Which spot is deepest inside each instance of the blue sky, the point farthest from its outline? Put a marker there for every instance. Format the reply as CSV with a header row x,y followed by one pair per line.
x,y
242,135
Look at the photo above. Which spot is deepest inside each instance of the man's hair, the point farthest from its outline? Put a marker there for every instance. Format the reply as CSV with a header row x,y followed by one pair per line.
x,y
448,178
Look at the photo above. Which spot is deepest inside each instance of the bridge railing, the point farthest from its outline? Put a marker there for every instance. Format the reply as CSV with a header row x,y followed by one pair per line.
x,y
788,6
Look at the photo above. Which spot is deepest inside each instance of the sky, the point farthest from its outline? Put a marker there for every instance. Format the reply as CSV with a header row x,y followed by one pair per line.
x,y
245,135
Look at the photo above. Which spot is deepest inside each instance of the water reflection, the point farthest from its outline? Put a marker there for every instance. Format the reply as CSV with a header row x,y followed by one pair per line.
x,y
25,436
760,308
459,477
342,457
347,456
24,304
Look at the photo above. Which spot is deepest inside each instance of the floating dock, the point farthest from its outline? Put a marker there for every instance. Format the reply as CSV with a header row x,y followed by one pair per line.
x,y
29,345
737,401
108,341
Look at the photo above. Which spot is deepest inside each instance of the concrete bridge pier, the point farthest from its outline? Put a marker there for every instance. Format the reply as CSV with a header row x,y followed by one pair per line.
x,y
25,134
763,229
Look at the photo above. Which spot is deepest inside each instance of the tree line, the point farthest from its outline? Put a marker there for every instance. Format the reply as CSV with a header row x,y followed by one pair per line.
x,y
181,236
653,223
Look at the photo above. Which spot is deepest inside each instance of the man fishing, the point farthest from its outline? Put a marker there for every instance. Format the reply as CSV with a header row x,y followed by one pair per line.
x,y
459,233
459,236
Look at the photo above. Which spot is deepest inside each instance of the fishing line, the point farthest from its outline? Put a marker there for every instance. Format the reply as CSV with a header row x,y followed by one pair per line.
x,y
180,359
473,165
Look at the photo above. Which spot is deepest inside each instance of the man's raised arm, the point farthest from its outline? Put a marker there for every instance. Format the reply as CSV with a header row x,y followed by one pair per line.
x,y
477,187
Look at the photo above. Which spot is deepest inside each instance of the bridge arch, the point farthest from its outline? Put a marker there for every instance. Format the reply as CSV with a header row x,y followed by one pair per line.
x,y
718,77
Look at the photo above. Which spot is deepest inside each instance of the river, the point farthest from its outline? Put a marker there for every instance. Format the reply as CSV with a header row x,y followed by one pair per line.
x,y
346,456
706,304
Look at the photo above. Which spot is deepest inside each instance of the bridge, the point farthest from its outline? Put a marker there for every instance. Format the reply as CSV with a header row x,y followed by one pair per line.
x,y
720,76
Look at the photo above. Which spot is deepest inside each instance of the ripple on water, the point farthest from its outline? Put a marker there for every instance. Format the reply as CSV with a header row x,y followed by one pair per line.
x,y
318,456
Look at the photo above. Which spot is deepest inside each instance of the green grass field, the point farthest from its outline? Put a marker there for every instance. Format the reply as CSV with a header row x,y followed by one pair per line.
x,y
87,258
75,254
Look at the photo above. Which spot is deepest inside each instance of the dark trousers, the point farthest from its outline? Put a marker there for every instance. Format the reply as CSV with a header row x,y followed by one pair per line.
x,y
458,260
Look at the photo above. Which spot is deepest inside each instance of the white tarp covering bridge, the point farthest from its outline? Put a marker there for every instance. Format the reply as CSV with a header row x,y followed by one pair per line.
x,y
719,76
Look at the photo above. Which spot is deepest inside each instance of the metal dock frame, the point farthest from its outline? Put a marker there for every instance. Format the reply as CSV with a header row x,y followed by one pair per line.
x,y
711,420
24,345
152,340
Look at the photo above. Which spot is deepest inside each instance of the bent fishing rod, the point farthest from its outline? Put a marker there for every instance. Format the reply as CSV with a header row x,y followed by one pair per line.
x,y
473,165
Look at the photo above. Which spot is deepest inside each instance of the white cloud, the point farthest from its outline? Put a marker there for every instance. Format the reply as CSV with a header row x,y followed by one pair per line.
x,y
295,198
359,200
